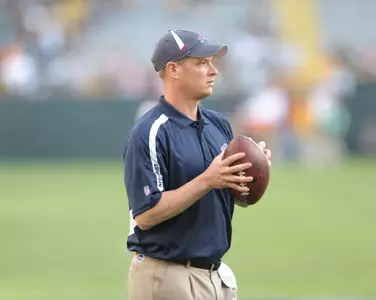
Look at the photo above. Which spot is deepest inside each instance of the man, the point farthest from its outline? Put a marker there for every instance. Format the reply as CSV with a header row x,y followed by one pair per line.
x,y
177,182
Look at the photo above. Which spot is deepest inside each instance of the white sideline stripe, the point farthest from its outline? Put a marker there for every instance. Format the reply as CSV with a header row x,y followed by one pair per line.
x,y
154,161
153,149
177,40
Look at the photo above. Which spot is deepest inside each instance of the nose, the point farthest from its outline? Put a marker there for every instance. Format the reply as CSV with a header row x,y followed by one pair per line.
x,y
213,70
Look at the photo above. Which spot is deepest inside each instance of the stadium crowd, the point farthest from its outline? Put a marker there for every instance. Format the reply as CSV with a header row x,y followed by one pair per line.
x,y
96,49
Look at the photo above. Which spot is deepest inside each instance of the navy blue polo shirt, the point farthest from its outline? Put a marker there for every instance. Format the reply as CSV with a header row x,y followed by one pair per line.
x,y
164,151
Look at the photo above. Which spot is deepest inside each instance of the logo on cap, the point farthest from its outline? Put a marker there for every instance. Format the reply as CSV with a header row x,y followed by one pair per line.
x,y
201,38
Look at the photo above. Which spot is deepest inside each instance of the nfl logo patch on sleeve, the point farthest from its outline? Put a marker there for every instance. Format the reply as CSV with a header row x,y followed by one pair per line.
x,y
146,190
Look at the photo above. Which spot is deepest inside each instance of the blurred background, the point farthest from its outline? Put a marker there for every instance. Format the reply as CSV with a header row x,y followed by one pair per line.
x,y
76,74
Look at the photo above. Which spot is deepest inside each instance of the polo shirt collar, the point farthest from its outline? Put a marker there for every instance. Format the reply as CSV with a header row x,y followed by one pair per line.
x,y
176,116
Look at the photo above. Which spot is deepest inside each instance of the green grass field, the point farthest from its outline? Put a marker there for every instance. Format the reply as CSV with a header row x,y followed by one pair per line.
x,y
63,229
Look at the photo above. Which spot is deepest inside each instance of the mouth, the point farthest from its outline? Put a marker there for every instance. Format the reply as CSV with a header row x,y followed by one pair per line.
x,y
211,82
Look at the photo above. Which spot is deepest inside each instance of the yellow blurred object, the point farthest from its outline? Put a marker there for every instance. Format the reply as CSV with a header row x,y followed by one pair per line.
x,y
299,26
299,116
72,12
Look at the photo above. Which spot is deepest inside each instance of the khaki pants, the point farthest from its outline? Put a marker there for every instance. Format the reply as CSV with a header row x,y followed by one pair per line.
x,y
152,279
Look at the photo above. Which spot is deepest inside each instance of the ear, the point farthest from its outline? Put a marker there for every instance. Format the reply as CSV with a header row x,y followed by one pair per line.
x,y
173,70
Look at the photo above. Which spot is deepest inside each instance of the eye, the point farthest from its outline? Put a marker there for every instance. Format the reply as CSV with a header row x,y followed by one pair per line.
x,y
204,62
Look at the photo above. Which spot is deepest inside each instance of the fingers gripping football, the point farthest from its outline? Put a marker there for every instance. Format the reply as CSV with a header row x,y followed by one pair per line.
x,y
222,175
259,157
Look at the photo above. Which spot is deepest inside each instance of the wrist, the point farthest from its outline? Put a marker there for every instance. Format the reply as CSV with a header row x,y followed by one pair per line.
x,y
205,181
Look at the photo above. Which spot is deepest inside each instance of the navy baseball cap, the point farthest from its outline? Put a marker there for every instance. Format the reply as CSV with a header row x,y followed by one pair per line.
x,y
177,44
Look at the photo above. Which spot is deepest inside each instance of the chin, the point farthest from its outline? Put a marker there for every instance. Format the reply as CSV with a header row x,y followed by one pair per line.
x,y
206,93
202,93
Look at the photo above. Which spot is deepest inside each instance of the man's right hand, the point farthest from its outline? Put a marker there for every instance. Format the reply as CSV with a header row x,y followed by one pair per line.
x,y
220,175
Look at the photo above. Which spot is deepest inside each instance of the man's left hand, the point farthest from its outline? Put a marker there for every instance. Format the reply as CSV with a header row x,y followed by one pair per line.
x,y
267,152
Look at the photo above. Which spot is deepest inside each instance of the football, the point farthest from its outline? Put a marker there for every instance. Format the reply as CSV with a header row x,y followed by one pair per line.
x,y
260,170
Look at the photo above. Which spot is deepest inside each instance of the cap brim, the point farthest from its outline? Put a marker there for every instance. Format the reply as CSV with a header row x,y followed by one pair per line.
x,y
207,50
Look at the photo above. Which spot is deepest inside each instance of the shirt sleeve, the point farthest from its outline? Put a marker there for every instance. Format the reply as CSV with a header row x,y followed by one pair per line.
x,y
145,172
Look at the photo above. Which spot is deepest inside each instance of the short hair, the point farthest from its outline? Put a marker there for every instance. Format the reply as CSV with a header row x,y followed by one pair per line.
x,y
162,73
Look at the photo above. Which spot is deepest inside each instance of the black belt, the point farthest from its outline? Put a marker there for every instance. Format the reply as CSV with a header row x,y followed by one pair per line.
x,y
200,265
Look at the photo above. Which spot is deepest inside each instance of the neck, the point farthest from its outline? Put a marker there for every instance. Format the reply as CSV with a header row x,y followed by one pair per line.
x,y
186,105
